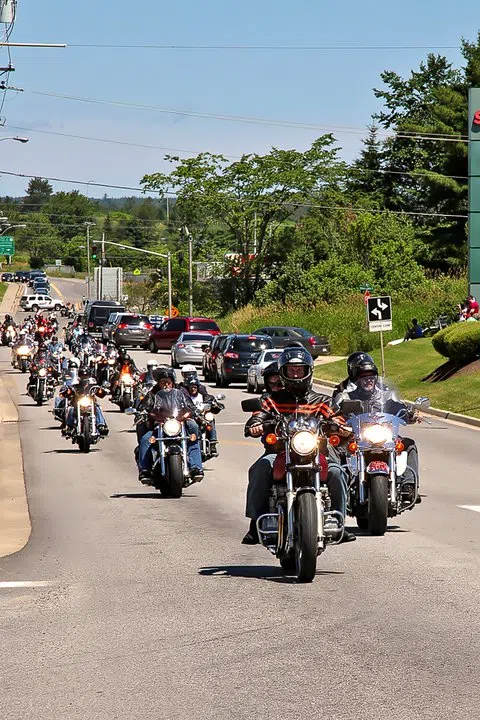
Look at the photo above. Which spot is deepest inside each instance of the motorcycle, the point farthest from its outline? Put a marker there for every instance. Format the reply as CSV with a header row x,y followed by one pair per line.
x,y
170,471
124,396
41,386
82,398
376,462
105,366
205,420
9,335
22,355
300,523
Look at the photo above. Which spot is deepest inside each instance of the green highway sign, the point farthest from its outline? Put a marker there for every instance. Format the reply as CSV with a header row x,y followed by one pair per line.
x,y
366,287
7,245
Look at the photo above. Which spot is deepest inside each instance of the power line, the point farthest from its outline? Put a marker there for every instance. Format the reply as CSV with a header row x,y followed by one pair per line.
x,y
439,137
296,48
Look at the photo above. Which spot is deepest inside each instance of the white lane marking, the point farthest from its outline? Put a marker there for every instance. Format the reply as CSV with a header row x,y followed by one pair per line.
x,y
475,508
25,583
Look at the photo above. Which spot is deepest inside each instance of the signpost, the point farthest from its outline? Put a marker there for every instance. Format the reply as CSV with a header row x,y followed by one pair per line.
x,y
379,315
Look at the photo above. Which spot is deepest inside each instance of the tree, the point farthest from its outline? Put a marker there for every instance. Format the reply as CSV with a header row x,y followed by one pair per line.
x,y
38,194
250,197
68,211
367,176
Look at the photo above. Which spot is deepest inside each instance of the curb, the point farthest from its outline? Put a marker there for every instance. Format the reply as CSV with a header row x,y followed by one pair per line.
x,y
16,526
435,412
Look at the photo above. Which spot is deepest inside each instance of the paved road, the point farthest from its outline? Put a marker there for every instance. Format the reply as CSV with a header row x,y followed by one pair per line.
x,y
155,610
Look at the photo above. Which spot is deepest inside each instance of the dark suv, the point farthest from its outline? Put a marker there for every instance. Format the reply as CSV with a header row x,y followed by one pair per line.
x,y
210,353
167,334
236,356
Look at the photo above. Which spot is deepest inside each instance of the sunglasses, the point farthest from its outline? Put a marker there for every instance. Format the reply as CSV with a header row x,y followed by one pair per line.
x,y
277,383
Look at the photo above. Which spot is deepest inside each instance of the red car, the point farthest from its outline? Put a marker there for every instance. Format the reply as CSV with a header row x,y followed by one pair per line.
x,y
167,334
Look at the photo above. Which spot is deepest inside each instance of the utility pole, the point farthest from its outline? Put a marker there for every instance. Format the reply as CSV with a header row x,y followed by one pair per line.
x,y
190,271
255,232
88,225
102,260
168,211
169,281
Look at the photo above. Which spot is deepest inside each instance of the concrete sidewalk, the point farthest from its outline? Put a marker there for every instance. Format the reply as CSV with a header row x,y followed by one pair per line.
x,y
15,525
11,299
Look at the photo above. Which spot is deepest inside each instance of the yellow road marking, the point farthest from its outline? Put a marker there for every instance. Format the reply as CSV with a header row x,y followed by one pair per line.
x,y
59,293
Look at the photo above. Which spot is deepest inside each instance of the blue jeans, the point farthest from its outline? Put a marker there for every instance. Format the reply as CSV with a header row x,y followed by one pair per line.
x,y
260,482
212,434
99,416
194,455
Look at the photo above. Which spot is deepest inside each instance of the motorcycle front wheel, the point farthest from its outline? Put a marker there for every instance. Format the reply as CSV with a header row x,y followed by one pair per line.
x,y
23,366
175,475
306,541
378,505
84,439
125,402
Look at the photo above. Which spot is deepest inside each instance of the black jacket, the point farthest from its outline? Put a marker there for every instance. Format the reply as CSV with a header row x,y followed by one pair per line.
x,y
283,402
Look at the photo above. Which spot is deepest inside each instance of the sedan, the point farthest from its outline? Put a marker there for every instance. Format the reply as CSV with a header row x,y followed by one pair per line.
x,y
255,372
7,277
282,336
189,348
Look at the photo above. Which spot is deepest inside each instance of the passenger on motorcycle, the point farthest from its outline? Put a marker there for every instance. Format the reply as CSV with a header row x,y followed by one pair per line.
x,y
376,397
349,383
192,388
124,364
189,372
289,391
166,382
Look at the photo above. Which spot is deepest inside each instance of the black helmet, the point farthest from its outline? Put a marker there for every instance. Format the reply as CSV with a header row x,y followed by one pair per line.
x,y
8,318
164,372
192,381
298,358
363,365
351,362
267,373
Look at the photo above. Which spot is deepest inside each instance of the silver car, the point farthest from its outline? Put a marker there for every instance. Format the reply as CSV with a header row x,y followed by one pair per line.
x,y
188,348
254,376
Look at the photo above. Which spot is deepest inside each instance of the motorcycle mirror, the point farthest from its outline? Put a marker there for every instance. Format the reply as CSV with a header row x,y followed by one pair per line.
x,y
220,396
351,407
251,405
130,411
106,385
422,402
204,347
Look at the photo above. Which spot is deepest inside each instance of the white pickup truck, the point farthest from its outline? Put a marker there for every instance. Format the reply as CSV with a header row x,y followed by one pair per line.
x,y
40,302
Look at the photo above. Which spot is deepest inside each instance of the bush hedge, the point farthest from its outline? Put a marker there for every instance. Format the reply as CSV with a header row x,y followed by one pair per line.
x,y
459,342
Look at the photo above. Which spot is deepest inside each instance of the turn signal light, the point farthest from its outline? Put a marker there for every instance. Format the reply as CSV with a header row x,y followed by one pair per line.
x,y
193,437
399,446
334,440
271,439
352,447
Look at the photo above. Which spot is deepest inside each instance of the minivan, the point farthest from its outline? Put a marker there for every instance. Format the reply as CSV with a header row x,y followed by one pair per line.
x,y
97,313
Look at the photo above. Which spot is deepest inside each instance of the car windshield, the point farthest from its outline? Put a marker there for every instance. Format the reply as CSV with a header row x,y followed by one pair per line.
x,y
250,344
271,356
134,319
203,325
196,336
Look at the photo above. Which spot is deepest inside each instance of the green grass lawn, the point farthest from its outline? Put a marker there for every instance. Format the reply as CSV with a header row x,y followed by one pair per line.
x,y
3,289
407,364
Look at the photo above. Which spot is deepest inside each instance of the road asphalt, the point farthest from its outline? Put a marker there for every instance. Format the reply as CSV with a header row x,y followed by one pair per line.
x,y
124,605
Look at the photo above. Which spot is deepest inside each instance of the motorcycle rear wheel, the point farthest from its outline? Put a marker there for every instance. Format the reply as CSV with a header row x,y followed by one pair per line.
x,y
306,541
378,505
39,398
175,475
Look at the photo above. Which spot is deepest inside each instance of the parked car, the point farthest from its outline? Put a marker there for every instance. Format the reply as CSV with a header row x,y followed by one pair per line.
x,y
40,302
210,353
282,337
164,337
188,349
97,313
236,356
131,329
7,277
255,372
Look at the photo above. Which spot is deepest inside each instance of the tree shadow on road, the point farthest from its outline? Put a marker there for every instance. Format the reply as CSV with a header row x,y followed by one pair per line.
x,y
256,572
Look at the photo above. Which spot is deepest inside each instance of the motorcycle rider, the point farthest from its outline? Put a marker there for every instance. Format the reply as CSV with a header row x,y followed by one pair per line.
x,y
192,388
58,348
188,372
295,373
82,387
376,397
349,383
70,379
165,382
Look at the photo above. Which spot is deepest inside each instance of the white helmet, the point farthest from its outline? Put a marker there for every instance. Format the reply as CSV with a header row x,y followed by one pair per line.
x,y
74,362
152,363
188,370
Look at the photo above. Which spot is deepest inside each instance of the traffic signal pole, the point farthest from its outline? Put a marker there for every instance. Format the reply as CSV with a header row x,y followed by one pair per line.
x,y
168,257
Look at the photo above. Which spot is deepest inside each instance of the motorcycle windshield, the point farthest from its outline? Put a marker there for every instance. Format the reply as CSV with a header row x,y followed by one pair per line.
x,y
171,404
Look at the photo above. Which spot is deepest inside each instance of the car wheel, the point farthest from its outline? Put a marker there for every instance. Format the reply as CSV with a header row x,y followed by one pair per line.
x,y
57,307
35,308
255,386
249,387
152,347
173,361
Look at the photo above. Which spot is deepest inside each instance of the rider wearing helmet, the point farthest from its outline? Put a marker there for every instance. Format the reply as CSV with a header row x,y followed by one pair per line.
x,y
295,370
193,388
352,361
376,397
123,364
165,380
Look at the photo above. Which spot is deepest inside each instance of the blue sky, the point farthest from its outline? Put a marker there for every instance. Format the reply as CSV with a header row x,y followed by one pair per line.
x,y
330,88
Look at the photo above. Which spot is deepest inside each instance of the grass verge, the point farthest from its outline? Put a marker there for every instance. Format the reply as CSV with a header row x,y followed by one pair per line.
x,y
407,364
3,289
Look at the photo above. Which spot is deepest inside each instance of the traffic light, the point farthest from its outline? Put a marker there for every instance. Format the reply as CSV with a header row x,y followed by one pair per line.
x,y
94,252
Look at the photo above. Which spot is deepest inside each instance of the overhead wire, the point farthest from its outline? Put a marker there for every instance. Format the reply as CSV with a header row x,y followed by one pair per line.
x,y
296,48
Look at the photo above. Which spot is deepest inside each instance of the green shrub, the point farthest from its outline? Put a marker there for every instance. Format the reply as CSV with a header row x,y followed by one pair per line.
x,y
439,341
462,343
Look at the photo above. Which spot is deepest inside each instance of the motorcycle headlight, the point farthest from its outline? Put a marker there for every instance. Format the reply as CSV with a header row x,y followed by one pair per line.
x,y
304,442
84,402
23,350
377,434
42,372
111,361
127,379
209,417
171,427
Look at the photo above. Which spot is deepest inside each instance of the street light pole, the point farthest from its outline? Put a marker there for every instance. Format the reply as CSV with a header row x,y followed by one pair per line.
x,y
190,271
88,225
18,139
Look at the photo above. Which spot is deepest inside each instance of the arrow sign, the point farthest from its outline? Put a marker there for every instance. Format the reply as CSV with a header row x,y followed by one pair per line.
x,y
379,313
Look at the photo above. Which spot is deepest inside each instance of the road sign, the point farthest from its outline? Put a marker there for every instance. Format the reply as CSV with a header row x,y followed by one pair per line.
x,y
7,245
58,263
379,313
137,271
